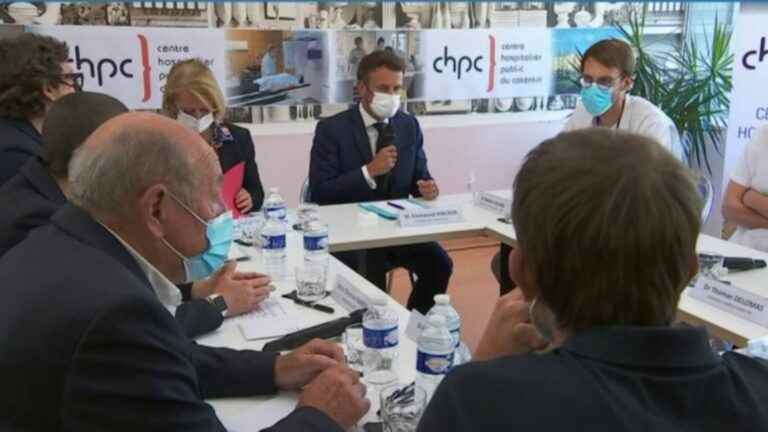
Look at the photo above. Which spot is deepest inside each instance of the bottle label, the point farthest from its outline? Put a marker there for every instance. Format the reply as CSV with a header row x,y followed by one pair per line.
x,y
434,364
378,339
278,212
274,242
315,243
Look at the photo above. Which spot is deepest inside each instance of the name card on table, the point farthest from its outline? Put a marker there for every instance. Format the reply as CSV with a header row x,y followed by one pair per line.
x,y
413,218
729,298
416,324
494,202
348,295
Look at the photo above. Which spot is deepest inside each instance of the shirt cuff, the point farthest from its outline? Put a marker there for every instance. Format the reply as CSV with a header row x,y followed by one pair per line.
x,y
368,179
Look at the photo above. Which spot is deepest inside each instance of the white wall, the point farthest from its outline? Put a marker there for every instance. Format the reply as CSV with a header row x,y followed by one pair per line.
x,y
492,146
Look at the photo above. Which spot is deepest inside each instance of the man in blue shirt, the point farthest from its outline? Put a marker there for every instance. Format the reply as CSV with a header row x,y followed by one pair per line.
x,y
607,223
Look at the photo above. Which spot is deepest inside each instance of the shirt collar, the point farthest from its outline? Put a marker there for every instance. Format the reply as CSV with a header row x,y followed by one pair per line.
x,y
168,293
655,347
368,119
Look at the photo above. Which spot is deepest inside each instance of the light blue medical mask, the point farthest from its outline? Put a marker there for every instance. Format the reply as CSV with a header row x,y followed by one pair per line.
x,y
597,99
218,231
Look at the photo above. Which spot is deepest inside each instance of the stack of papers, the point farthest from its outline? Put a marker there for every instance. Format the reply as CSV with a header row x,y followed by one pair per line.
x,y
275,317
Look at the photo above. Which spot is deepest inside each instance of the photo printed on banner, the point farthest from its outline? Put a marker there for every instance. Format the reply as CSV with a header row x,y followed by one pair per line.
x,y
277,67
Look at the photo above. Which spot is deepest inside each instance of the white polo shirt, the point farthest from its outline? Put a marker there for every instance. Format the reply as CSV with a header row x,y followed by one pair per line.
x,y
751,171
640,117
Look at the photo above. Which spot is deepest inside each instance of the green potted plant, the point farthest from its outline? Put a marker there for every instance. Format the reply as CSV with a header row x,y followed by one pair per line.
x,y
691,84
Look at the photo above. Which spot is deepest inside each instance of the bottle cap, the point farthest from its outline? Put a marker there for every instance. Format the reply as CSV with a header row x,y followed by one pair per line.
x,y
379,301
442,299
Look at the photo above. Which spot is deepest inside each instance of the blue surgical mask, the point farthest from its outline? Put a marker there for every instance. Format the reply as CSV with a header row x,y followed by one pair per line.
x,y
597,99
218,231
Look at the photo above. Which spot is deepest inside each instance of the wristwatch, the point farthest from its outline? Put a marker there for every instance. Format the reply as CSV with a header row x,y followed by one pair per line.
x,y
218,302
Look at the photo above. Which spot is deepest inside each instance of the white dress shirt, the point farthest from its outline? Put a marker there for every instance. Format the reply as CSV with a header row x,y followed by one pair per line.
x,y
166,291
640,117
373,136
751,172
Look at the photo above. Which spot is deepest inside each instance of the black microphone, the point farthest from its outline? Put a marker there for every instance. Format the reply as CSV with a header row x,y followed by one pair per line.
x,y
386,138
742,263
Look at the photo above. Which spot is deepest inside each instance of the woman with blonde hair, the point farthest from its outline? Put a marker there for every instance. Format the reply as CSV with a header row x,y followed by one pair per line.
x,y
193,97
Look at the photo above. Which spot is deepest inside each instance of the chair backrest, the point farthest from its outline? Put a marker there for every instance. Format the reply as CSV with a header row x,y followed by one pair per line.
x,y
704,186
305,196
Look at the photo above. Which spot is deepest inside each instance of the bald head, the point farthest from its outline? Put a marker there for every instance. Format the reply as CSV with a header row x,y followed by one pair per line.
x,y
133,151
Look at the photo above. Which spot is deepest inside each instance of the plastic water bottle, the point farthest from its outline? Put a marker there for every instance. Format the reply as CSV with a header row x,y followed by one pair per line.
x,y
443,308
274,205
380,337
316,243
435,354
273,238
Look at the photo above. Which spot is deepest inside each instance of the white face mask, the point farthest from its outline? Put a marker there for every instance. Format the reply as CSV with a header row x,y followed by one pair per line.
x,y
197,125
385,105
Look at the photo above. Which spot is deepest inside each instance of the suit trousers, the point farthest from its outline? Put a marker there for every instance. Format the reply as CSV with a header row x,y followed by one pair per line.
x,y
429,264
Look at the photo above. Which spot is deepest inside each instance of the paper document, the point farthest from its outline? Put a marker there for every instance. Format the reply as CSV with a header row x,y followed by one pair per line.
x,y
275,317
252,414
233,182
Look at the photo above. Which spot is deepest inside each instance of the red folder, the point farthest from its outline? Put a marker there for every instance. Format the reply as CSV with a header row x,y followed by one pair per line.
x,y
233,182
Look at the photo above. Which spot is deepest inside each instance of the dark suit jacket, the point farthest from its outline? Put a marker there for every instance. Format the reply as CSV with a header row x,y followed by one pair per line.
x,y
633,379
341,147
19,141
238,147
86,345
28,201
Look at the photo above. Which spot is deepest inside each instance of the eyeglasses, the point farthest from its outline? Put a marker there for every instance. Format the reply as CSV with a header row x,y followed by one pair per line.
x,y
604,83
72,79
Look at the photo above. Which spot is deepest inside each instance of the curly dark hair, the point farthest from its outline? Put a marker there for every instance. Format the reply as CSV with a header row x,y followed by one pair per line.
x,y
28,63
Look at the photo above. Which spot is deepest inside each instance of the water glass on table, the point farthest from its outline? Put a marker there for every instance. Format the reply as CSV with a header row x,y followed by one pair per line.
x,y
401,407
354,346
310,282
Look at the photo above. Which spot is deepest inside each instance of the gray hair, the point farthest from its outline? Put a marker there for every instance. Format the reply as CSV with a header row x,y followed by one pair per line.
x,y
104,178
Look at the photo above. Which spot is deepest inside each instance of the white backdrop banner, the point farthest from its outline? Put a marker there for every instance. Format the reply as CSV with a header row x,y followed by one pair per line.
x,y
132,63
749,98
487,63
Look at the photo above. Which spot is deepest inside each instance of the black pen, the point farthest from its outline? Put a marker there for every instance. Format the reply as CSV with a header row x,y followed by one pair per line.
x,y
318,307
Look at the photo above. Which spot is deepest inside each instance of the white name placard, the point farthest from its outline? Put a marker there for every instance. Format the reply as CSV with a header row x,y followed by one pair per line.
x,y
431,216
417,322
737,301
494,203
348,295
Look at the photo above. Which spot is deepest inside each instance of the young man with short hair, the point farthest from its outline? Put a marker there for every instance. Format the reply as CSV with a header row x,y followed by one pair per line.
x,y
607,76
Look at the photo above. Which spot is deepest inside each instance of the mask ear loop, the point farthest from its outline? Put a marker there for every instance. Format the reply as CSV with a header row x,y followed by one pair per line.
x,y
186,207
545,333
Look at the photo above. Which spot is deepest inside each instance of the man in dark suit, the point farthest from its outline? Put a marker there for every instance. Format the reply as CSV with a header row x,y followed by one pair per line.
x,y
34,72
29,200
376,152
86,343
599,287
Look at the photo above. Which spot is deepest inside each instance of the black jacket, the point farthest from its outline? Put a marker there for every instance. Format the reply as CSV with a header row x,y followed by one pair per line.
x,y
633,379
29,200
19,141
87,346
341,147
237,146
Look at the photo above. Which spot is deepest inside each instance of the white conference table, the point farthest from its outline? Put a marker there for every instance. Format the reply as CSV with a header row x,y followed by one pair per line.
x,y
255,413
346,233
